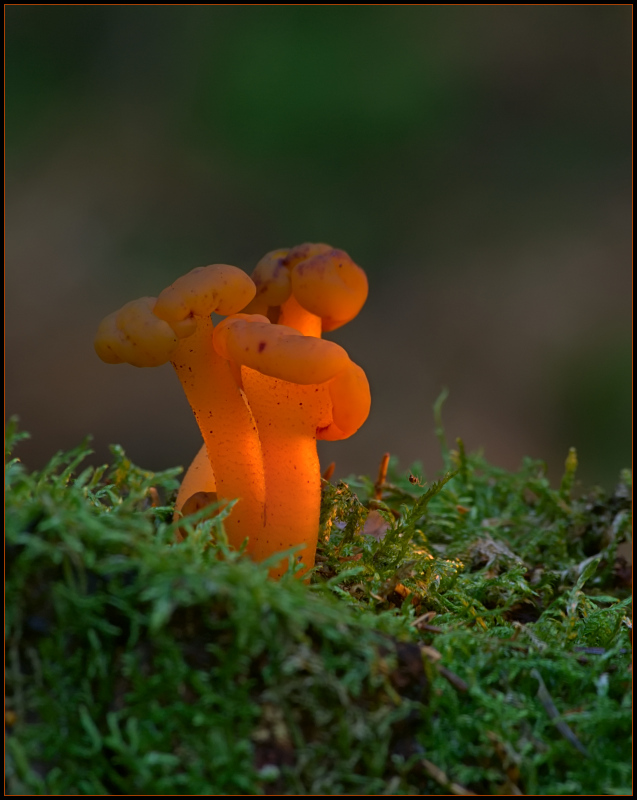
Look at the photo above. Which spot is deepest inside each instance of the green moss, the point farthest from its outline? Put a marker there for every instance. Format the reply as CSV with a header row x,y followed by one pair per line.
x,y
136,664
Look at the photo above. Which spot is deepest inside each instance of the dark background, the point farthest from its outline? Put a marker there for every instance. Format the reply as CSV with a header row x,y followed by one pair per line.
x,y
475,160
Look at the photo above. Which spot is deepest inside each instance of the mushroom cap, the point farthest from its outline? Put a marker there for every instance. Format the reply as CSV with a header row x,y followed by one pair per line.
x,y
136,336
304,251
278,351
322,280
351,403
284,353
330,285
106,340
271,277
219,288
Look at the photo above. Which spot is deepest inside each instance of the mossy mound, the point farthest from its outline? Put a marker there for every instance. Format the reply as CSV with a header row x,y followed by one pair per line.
x,y
469,636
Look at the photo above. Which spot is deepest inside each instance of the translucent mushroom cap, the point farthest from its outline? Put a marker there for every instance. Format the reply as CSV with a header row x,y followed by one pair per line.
x,y
323,280
134,335
218,288
284,353
271,277
146,332
278,351
331,286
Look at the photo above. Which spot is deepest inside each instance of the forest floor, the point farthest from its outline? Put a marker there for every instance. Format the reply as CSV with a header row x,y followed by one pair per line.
x,y
469,635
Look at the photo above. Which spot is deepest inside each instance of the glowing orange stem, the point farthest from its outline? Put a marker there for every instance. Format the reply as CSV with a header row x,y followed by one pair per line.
x,y
287,416
295,316
228,429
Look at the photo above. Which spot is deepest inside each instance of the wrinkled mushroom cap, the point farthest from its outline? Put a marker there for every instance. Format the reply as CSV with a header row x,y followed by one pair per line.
x,y
324,281
136,336
218,288
331,286
284,353
271,277
302,252
145,332
351,403
278,351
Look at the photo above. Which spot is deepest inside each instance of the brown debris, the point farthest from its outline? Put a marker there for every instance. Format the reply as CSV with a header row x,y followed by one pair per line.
x,y
329,471
382,477
453,679
375,525
441,778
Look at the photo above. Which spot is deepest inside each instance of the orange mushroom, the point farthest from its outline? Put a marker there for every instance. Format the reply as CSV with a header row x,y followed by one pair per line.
x,y
146,333
299,388
262,392
332,288
312,287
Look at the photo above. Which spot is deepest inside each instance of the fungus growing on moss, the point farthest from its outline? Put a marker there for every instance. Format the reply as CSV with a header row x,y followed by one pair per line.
x,y
299,388
145,334
262,392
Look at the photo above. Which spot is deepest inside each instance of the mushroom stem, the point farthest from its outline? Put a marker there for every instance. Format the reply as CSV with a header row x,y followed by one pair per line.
x,y
198,478
287,416
228,429
295,316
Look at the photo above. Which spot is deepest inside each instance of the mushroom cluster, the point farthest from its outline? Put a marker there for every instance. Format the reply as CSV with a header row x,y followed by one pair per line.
x,y
263,384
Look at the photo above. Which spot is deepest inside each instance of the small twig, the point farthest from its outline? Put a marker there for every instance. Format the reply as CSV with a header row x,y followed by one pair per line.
x,y
551,709
453,679
595,651
382,477
431,628
329,471
154,497
441,777
430,653
425,618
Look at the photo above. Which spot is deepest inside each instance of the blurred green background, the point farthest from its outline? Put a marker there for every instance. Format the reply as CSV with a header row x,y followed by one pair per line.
x,y
475,160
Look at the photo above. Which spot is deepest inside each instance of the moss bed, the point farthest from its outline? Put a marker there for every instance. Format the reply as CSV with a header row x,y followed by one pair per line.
x,y
470,635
